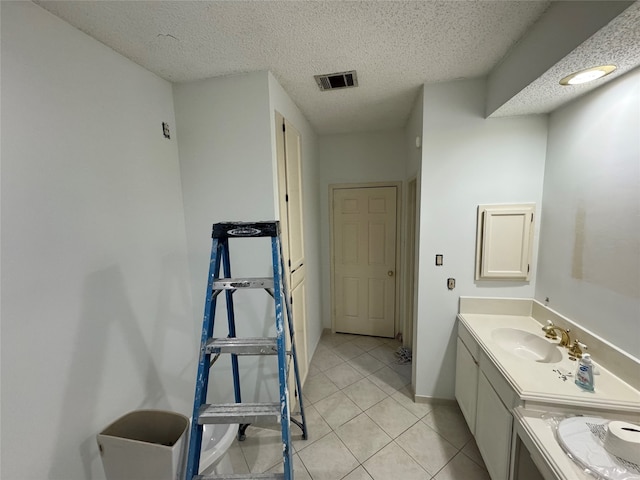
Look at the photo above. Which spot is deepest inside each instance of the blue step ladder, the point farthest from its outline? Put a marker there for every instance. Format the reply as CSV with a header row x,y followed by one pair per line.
x,y
238,412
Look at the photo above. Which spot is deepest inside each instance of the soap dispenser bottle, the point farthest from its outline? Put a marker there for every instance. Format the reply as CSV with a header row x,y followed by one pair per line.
x,y
584,373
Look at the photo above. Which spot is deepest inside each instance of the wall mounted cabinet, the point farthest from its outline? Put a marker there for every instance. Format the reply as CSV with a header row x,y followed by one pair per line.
x,y
504,241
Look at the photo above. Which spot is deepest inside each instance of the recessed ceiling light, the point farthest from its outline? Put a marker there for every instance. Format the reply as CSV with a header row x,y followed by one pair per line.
x,y
587,75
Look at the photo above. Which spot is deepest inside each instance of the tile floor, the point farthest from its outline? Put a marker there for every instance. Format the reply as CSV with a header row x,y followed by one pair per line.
x,y
363,424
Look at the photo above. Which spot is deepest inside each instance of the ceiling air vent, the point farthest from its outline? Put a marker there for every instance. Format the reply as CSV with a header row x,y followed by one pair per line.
x,y
334,81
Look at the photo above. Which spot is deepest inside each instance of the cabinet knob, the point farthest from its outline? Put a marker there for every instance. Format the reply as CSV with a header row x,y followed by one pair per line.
x,y
390,273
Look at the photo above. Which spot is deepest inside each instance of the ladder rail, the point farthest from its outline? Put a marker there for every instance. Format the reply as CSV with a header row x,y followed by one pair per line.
x,y
202,380
278,294
296,370
231,320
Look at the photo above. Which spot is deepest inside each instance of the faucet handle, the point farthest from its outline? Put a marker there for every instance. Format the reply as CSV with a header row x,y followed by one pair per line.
x,y
549,330
576,349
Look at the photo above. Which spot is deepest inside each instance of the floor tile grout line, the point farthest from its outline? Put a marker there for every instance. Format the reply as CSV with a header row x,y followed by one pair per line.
x,y
304,466
416,460
345,476
450,460
393,438
361,464
316,440
374,453
471,440
411,456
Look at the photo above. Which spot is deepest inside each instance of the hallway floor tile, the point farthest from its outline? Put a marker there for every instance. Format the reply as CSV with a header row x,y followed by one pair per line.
x,y
363,423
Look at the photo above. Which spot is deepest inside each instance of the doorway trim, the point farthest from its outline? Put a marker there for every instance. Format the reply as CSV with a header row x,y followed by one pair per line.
x,y
410,246
397,324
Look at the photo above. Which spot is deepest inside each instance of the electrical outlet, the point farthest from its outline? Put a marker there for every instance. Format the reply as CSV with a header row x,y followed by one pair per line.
x,y
165,130
451,283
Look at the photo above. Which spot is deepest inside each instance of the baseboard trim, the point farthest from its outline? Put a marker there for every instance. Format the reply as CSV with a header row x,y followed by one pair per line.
x,y
434,400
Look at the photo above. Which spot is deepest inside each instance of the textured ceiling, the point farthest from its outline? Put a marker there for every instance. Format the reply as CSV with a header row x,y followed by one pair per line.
x,y
395,46
618,43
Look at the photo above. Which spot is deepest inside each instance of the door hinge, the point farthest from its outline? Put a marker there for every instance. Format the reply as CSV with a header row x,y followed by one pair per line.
x,y
284,129
532,218
528,267
286,197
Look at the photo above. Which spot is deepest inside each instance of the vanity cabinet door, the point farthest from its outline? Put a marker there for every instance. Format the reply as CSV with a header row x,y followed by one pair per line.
x,y
493,430
466,384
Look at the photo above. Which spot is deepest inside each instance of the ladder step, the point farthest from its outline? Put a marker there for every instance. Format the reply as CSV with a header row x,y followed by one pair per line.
x,y
244,229
234,283
240,413
232,476
243,346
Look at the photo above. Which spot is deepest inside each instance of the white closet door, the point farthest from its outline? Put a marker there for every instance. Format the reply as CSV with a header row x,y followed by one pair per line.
x,y
293,157
289,157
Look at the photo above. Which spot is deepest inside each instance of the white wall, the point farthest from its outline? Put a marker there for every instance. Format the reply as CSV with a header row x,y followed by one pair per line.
x,y
413,129
281,102
96,302
466,160
589,263
354,158
227,166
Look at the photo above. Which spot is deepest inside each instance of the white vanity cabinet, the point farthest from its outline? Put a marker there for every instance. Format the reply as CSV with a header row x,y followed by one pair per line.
x,y
486,400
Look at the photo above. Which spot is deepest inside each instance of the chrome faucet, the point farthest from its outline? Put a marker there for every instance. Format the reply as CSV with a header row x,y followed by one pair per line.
x,y
550,331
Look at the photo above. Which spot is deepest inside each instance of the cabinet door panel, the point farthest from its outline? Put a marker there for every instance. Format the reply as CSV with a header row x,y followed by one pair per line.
x,y
298,310
466,384
504,241
493,430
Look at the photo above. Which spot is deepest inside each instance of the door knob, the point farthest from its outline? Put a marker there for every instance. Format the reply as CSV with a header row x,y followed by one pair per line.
x,y
390,273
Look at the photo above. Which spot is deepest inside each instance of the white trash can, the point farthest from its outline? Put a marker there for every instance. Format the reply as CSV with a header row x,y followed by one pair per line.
x,y
145,445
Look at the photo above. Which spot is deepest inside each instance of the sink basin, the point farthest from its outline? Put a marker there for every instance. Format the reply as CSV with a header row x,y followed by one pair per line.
x,y
526,345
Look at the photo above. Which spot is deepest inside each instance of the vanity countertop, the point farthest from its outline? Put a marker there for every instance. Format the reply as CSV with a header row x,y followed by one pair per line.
x,y
547,382
538,436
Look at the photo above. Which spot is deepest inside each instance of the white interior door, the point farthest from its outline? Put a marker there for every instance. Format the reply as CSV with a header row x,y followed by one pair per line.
x,y
364,260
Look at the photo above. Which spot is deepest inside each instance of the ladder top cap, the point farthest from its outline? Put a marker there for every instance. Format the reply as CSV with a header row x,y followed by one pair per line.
x,y
245,229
